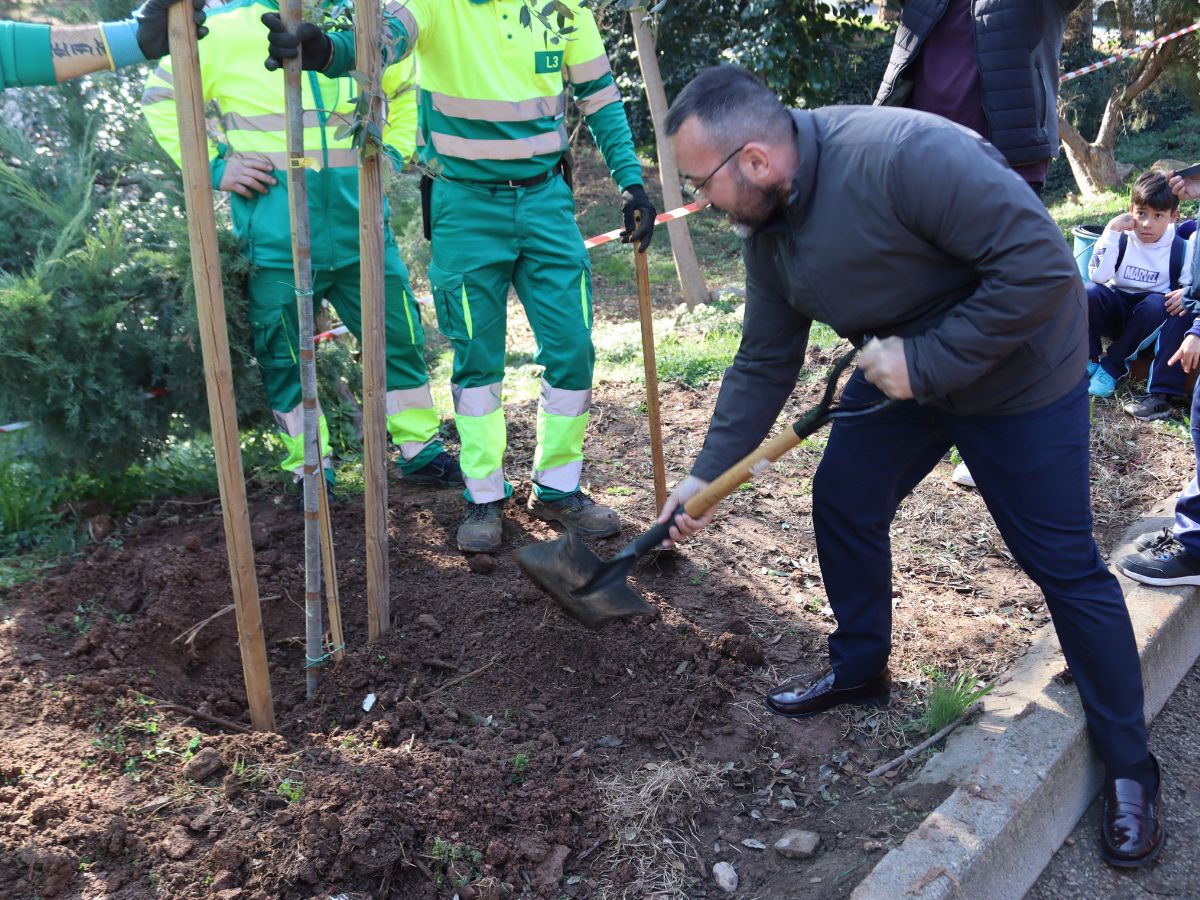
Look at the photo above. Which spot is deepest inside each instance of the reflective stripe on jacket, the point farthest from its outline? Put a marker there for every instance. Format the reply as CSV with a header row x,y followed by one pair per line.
x,y
250,107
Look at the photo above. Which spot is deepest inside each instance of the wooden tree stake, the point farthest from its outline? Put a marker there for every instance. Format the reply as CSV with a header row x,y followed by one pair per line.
x,y
218,371
368,62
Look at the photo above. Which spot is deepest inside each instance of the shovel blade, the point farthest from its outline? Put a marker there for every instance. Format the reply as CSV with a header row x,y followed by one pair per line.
x,y
585,587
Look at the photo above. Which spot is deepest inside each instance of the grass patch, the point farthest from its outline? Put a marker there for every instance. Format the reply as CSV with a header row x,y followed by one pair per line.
x,y
949,699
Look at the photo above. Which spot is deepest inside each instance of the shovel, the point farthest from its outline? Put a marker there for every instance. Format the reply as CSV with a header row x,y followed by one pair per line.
x,y
595,592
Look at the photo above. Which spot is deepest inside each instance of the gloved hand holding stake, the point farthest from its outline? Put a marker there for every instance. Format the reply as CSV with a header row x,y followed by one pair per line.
x,y
151,18
282,45
636,232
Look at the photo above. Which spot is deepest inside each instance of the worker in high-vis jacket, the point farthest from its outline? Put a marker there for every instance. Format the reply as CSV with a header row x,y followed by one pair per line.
x,y
492,138
251,164
37,54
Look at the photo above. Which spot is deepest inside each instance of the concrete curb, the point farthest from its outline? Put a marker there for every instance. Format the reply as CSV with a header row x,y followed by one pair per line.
x,y
1025,772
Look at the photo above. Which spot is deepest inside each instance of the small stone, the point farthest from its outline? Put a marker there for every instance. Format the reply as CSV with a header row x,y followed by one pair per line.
x,y
177,844
725,876
754,844
481,563
797,844
430,622
223,881
203,764
610,742
785,803
549,873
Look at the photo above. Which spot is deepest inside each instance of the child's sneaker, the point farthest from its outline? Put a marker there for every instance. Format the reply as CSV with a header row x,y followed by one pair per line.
x,y
1150,408
1102,384
1172,566
1154,542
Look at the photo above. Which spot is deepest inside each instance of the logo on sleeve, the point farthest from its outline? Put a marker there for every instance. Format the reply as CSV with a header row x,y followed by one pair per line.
x,y
547,61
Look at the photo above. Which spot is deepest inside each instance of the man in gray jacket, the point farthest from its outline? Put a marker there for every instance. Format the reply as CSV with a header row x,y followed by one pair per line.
x,y
905,227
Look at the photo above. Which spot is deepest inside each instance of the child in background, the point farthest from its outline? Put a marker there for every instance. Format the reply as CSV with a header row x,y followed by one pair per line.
x,y
1137,265
1172,556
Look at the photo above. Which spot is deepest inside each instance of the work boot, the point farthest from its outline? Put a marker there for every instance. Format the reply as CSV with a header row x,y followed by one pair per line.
x,y
578,513
482,528
442,471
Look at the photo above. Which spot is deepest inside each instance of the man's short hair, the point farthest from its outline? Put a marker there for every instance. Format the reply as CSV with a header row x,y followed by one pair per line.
x,y
1151,189
733,107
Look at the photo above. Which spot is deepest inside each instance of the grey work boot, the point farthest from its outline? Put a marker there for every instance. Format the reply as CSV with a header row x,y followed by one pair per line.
x,y
578,513
482,528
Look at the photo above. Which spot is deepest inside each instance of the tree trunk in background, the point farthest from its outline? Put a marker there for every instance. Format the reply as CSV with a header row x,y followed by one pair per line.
x,y
888,11
687,266
1095,168
1079,29
1126,23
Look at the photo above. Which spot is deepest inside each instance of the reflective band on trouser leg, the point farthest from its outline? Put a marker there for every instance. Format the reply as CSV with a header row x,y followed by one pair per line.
x,y
291,432
481,430
562,421
413,424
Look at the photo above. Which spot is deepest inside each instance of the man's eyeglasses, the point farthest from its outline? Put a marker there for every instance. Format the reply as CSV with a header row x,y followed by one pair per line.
x,y
695,188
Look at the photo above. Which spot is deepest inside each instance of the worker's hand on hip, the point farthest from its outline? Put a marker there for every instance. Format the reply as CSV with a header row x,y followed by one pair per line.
x,y
639,233
884,365
151,18
1185,188
685,526
246,174
309,42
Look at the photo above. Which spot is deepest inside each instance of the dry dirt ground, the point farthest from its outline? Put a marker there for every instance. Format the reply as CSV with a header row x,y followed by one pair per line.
x,y
509,751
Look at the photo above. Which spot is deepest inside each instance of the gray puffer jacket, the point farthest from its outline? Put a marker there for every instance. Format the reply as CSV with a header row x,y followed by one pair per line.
x,y
1017,43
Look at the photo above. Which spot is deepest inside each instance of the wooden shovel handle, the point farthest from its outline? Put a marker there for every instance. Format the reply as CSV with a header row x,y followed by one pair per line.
x,y
744,470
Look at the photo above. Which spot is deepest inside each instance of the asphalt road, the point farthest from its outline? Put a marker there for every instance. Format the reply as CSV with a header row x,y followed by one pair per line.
x,y
1076,871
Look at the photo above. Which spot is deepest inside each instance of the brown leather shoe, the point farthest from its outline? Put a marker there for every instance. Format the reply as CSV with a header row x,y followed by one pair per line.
x,y
1131,832
802,696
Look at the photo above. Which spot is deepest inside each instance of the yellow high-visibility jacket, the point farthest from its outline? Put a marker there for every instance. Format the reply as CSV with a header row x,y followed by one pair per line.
x,y
250,102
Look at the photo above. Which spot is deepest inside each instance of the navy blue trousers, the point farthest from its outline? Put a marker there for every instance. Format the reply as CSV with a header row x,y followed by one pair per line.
x,y
1187,507
1135,321
1032,470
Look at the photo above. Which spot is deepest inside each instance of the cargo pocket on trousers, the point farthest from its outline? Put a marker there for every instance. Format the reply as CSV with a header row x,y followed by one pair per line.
x,y
451,303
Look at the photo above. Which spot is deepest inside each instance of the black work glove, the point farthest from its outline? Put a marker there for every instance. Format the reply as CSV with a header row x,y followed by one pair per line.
x,y
636,200
151,18
283,45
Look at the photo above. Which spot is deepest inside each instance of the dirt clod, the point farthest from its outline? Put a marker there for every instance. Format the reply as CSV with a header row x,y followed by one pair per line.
x,y
206,762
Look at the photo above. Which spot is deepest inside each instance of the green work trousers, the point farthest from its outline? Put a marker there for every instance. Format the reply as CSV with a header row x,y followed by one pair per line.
x,y
411,419
487,238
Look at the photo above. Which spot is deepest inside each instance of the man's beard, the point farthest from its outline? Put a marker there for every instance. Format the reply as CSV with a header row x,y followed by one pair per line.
x,y
757,204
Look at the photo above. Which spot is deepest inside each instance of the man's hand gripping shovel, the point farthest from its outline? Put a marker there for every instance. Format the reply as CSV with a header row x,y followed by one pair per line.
x,y
595,592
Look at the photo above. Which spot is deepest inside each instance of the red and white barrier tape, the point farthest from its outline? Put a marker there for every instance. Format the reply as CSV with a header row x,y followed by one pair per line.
x,y
661,217
426,299
1125,54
